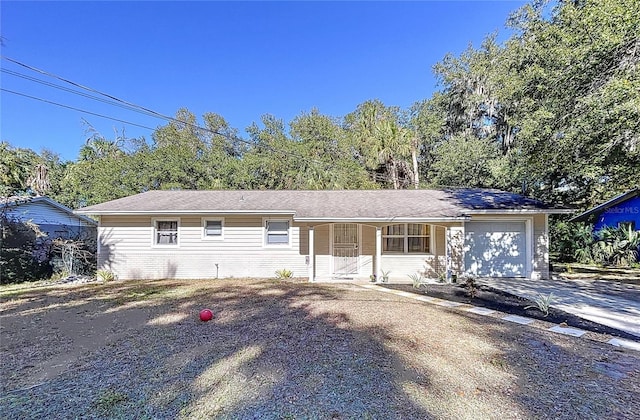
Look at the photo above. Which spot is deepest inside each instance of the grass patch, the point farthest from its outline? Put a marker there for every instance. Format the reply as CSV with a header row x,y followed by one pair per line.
x,y
109,399
617,274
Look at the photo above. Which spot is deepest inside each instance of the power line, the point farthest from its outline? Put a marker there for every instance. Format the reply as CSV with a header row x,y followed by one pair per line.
x,y
74,108
76,92
145,110
115,101
114,98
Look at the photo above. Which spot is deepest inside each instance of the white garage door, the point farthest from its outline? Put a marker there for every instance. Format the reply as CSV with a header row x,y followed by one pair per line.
x,y
495,249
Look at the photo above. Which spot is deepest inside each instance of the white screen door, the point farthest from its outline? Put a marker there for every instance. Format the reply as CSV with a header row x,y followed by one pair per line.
x,y
345,249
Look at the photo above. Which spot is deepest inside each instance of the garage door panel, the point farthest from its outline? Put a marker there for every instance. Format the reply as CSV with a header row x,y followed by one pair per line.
x,y
495,249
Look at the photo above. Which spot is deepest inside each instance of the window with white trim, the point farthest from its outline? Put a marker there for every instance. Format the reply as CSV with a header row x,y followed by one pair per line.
x,y
276,232
406,238
165,232
212,228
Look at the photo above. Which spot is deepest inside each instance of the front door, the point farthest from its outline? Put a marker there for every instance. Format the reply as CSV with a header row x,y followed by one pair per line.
x,y
345,249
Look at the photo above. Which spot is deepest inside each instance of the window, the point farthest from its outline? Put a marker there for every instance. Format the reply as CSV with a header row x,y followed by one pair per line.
x,y
406,238
212,228
166,232
277,232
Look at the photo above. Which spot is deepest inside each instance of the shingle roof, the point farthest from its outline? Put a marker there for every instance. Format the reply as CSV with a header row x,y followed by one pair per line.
x,y
321,204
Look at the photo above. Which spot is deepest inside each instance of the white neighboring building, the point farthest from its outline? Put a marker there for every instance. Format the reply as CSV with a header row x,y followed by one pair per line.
x,y
53,218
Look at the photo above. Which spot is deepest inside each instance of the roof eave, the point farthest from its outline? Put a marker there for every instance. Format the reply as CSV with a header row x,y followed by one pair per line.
x,y
55,204
521,211
174,212
584,217
380,219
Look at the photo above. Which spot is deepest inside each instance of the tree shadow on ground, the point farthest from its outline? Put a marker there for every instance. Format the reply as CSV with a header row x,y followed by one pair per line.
x,y
283,350
270,352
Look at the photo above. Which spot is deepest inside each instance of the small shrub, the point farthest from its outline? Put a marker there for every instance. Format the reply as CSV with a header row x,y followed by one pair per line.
x,y
417,280
385,276
106,275
471,286
109,399
284,274
542,302
373,278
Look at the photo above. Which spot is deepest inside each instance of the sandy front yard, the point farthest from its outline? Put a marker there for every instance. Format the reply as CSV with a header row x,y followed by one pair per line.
x,y
290,350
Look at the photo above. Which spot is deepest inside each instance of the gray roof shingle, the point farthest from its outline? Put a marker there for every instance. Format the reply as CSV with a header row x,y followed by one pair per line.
x,y
325,204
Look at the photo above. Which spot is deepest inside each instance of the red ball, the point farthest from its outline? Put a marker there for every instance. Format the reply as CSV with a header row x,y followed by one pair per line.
x,y
206,315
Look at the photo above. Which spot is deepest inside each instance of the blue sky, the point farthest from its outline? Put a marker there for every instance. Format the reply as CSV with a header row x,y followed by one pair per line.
x,y
238,59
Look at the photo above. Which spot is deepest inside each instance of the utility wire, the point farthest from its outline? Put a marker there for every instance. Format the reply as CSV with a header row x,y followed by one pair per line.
x,y
144,110
46,73
76,92
74,108
137,108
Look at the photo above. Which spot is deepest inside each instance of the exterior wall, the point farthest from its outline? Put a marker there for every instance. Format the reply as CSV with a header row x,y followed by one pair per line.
x,y
321,246
398,266
126,247
323,255
367,250
433,265
52,220
627,211
540,247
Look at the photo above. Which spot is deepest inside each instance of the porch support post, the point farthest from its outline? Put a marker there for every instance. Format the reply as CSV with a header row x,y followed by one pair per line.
x,y
311,254
377,267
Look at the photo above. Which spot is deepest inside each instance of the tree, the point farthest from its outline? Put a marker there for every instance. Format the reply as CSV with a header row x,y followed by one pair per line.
x,y
578,96
330,162
15,168
426,121
465,161
381,143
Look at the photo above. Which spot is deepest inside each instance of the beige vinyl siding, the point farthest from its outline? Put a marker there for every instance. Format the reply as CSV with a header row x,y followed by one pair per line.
x,y
367,251
440,244
126,247
321,250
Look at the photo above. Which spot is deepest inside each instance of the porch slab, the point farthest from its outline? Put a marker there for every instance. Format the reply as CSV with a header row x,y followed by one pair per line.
x,y
518,319
574,332
480,311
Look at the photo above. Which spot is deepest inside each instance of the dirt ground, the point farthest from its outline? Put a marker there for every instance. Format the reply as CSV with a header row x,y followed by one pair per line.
x,y
290,350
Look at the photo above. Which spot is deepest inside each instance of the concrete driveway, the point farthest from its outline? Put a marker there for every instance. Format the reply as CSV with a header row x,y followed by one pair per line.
x,y
606,302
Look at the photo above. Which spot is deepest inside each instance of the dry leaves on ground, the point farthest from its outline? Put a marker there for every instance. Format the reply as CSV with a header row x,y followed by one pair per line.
x,y
291,350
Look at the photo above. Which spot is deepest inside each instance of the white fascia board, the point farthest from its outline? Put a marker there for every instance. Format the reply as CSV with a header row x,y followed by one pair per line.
x,y
176,212
379,219
522,211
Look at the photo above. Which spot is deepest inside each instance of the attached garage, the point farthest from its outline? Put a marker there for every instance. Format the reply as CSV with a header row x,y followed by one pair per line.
x,y
496,248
